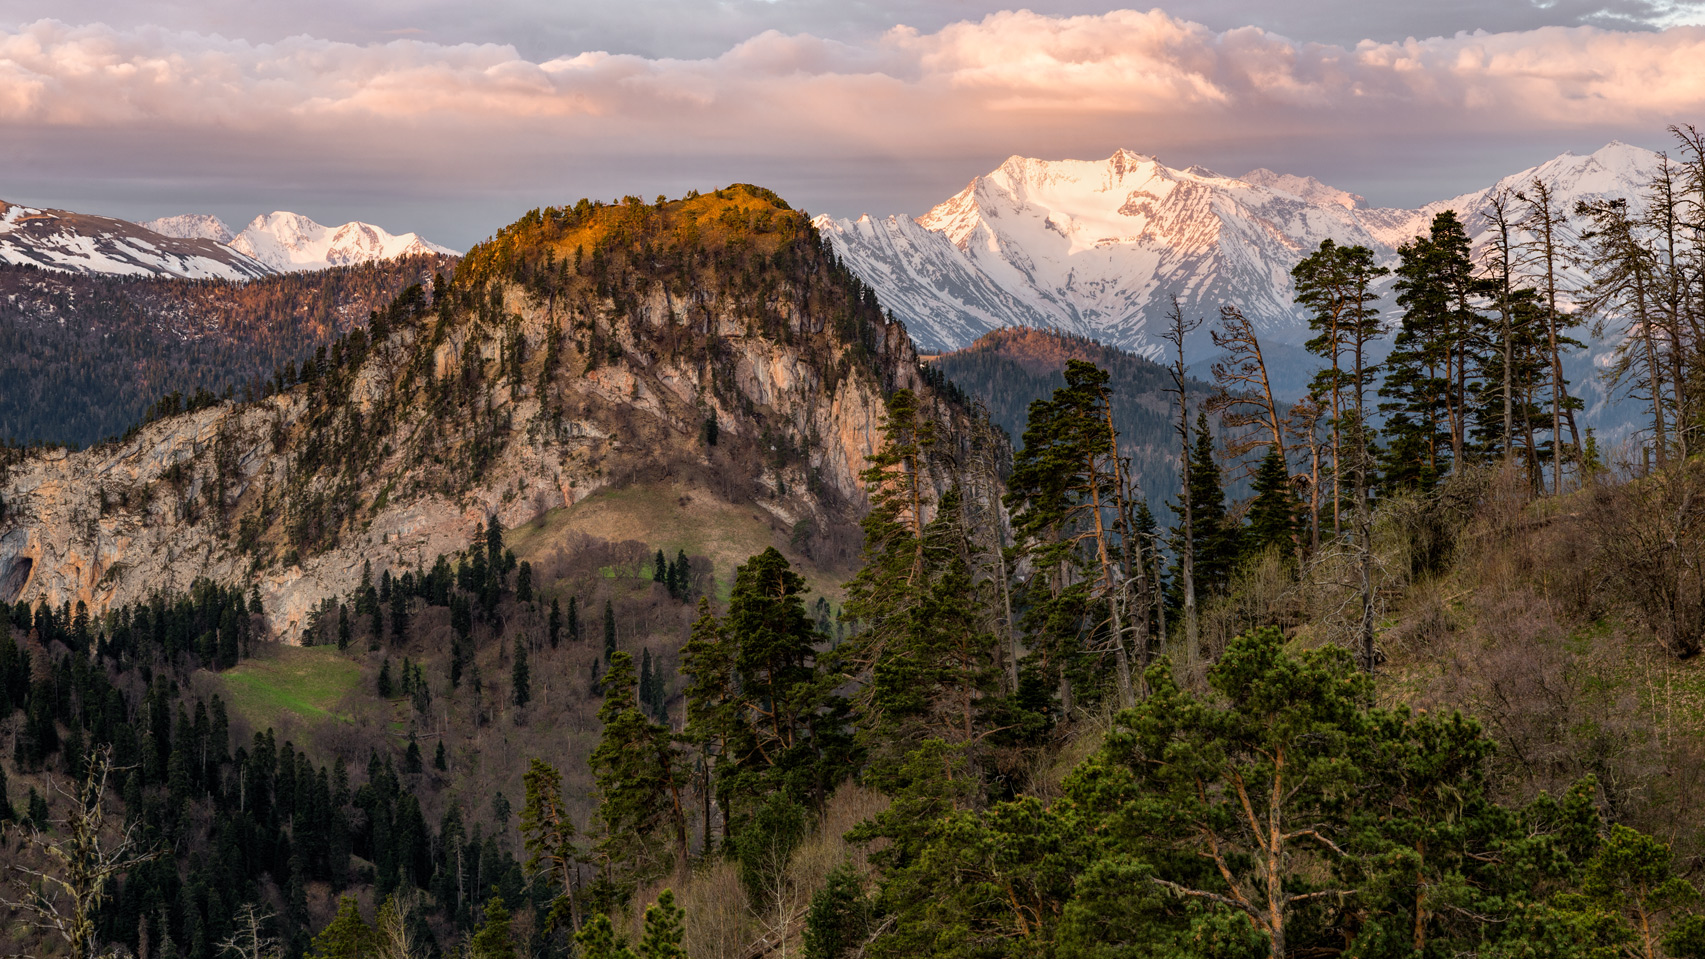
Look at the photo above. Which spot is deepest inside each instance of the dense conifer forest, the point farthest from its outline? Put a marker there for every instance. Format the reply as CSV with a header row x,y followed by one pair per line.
x,y
1431,689
82,357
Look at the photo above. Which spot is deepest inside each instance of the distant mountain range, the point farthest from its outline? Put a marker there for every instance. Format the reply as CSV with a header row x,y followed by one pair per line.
x,y
193,246
83,243
289,242
1099,248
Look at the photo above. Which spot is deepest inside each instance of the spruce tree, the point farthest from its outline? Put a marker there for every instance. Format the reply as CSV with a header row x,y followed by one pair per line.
x,y
524,583
839,918
716,721
609,631
343,635
1071,500
1273,512
659,569
438,760
680,577
573,619
883,595
637,777
399,616
553,625
521,686
775,657
1216,541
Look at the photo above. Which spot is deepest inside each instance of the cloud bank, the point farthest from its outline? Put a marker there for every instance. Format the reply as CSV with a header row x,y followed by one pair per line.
x,y
408,119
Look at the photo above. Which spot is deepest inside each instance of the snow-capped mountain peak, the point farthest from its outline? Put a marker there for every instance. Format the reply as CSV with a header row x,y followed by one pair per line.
x,y
192,226
1101,247
287,241
1096,247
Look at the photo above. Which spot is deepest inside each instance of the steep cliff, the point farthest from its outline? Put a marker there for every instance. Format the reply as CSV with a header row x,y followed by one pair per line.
x,y
712,342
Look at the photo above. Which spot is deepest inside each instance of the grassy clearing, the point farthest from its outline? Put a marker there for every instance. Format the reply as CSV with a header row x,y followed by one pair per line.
x,y
308,682
670,517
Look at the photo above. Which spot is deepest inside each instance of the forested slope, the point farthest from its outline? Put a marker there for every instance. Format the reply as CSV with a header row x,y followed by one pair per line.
x,y
82,356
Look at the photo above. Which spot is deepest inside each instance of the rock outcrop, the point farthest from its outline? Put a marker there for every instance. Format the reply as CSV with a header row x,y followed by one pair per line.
x,y
518,389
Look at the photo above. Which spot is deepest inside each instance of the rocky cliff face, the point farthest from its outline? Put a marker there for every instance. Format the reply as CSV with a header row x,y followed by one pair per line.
x,y
524,386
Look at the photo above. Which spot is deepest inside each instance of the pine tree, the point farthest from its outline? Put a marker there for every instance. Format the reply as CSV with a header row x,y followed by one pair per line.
x,y
1436,355
1625,287
347,936
1333,285
492,939
665,929
547,831
597,940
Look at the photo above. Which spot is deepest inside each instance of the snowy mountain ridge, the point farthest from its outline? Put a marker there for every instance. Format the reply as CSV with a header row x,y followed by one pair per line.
x,y
1101,248
193,226
193,245
288,242
84,243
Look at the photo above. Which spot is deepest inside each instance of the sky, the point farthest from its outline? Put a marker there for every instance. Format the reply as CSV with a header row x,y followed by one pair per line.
x,y
454,119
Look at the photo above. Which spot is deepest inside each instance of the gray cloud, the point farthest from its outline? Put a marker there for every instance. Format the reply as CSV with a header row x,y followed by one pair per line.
x,y
541,29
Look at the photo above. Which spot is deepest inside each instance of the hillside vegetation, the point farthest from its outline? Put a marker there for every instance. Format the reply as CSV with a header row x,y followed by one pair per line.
x,y
1428,691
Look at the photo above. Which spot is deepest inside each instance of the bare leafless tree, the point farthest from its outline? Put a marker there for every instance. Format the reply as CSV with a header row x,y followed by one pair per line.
x,y
250,940
81,857
1177,330
393,930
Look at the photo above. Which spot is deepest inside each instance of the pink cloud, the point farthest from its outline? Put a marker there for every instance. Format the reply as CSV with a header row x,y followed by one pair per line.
x,y
968,73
